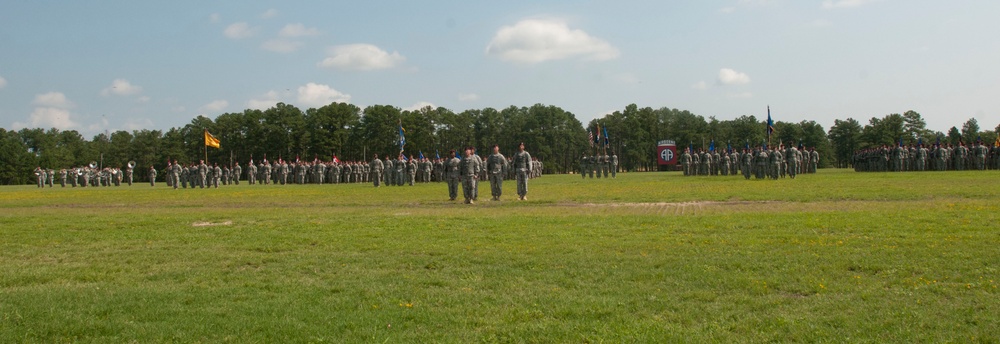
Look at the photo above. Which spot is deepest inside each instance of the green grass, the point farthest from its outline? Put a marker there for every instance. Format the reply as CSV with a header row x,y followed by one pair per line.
x,y
652,257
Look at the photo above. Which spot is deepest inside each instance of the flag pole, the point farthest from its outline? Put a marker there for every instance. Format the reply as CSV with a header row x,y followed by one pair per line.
x,y
205,145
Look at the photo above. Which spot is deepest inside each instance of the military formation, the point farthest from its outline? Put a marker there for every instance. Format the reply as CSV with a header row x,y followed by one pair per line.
x,y
598,164
467,169
760,163
84,176
920,157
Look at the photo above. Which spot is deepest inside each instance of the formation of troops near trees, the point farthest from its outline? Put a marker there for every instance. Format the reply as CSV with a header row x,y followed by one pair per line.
x,y
920,157
599,165
84,176
761,163
396,172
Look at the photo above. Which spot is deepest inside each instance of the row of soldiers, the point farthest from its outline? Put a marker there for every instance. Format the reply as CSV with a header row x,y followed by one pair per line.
x,y
599,164
774,163
919,157
84,176
399,171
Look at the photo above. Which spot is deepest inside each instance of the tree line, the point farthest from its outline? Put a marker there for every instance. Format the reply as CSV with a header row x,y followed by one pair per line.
x,y
351,133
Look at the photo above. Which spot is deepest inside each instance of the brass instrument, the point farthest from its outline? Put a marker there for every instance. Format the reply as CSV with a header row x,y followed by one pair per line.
x,y
93,164
79,171
131,164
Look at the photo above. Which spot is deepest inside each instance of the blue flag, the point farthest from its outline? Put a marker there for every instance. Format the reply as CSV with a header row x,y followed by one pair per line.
x,y
711,146
421,155
436,154
770,123
605,136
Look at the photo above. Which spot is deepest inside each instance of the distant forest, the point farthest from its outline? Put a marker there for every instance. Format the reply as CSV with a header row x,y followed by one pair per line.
x,y
550,133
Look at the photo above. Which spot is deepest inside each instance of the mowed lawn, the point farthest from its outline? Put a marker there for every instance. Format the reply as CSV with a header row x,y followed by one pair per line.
x,y
647,257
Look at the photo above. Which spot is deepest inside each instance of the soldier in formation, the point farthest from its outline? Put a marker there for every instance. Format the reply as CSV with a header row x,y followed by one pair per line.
x,y
496,166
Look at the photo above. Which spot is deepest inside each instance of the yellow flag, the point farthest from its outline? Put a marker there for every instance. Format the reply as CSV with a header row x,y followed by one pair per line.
x,y
211,141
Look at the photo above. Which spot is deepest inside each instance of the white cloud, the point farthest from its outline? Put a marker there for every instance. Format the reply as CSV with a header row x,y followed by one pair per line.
x,y
830,4
731,77
729,9
100,126
53,100
270,13
297,30
701,86
132,124
239,30
536,40
468,97
121,87
3,82
742,95
267,101
361,57
48,117
214,17
214,106
420,105
281,45
143,99
317,95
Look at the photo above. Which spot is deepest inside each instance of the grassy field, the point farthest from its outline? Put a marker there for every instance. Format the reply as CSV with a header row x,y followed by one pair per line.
x,y
650,257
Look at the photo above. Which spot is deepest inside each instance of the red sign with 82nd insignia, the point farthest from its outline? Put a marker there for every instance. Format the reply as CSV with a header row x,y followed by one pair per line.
x,y
667,153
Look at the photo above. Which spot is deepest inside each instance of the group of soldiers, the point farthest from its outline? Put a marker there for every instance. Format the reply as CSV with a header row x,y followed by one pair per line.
x,y
599,164
920,157
396,172
761,163
200,175
84,176
469,168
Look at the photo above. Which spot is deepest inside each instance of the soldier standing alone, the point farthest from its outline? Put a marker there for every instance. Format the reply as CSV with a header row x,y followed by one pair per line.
x,y
522,166
152,175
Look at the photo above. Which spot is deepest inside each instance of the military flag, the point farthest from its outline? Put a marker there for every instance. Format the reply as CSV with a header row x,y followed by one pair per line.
x,y
770,123
421,155
606,143
402,137
711,145
590,137
211,141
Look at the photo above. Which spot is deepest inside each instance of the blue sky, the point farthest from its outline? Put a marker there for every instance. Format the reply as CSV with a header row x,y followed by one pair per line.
x,y
126,65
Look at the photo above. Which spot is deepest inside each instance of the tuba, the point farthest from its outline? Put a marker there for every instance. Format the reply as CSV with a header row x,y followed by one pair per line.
x,y
79,171
131,163
93,164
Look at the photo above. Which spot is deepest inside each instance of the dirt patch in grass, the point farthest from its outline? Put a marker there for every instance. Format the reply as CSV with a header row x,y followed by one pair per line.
x,y
206,224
